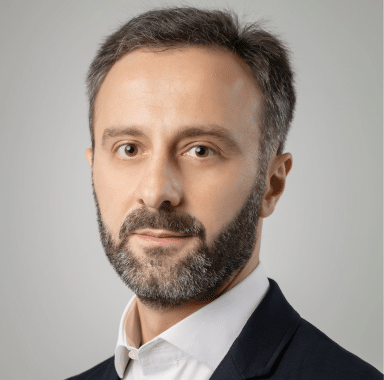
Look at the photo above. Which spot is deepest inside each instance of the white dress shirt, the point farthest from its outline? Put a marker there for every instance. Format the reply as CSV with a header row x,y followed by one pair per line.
x,y
194,347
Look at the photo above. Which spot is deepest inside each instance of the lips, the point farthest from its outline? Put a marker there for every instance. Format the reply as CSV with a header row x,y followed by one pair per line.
x,y
160,234
163,238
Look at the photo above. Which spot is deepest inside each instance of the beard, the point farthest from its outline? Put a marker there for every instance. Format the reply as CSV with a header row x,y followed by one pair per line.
x,y
163,281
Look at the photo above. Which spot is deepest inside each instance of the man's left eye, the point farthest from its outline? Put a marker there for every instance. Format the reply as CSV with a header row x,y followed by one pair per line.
x,y
202,151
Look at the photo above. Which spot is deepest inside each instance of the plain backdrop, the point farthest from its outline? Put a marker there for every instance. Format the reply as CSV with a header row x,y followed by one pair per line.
x,y
61,301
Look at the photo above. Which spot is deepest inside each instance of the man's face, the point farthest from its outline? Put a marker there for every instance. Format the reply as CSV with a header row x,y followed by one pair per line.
x,y
153,170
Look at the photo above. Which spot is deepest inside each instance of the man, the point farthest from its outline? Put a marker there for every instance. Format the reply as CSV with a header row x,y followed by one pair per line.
x,y
189,114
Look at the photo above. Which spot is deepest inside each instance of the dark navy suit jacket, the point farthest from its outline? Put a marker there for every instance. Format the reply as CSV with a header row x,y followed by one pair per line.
x,y
275,343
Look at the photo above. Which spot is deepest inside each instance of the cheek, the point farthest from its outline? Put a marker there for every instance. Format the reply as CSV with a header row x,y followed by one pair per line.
x,y
216,203
114,194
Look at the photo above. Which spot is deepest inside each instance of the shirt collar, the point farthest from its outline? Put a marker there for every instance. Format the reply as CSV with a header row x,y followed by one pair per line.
x,y
129,336
220,321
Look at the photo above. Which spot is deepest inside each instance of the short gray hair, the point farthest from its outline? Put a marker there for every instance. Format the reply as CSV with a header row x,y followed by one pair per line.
x,y
171,27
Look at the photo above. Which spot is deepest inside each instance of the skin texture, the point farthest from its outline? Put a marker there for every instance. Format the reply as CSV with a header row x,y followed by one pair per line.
x,y
166,179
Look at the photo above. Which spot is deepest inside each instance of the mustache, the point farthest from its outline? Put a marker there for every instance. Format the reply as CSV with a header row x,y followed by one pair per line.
x,y
162,220
165,219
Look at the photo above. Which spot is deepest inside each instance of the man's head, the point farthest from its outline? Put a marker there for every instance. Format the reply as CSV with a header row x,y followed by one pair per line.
x,y
188,119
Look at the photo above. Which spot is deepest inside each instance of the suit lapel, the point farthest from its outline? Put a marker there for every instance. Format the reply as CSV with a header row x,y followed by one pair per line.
x,y
262,339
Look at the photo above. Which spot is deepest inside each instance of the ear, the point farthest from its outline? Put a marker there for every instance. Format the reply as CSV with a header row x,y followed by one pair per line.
x,y
278,169
88,155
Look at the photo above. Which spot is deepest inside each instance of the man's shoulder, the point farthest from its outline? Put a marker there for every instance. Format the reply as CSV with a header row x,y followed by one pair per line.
x,y
322,358
97,372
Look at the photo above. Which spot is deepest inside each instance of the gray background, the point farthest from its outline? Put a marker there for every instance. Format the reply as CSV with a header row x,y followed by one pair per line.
x,y
61,302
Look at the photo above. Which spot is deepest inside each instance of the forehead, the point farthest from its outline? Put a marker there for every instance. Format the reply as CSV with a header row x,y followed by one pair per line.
x,y
192,85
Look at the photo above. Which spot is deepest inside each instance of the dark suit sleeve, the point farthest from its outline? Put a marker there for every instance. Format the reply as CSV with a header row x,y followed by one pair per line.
x,y
323,358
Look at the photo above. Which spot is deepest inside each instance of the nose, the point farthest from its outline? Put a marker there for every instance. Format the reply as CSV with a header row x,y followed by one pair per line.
x,y
160,183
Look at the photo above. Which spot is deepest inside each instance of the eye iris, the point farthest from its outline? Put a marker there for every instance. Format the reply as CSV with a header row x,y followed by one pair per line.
x,y
200,150
129,149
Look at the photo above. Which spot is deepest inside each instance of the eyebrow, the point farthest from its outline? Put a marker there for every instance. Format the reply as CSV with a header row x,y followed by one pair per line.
x,y
192,131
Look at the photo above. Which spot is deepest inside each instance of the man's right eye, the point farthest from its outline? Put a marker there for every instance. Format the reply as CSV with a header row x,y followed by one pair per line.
x,y
128,150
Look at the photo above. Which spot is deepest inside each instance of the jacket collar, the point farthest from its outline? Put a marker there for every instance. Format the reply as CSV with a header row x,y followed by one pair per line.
x,y
262,339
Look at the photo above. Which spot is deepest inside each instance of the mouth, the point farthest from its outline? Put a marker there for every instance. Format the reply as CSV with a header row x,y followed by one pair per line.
x,y
161,238
160,234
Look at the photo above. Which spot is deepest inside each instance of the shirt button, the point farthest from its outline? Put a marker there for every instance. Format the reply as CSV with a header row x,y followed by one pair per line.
x,y
132,354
